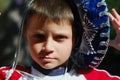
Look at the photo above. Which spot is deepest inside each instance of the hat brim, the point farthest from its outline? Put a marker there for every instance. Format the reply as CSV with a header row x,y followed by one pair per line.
x,y
93,45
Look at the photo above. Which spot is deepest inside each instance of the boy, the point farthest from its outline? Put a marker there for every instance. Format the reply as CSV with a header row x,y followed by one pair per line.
x,y
65,41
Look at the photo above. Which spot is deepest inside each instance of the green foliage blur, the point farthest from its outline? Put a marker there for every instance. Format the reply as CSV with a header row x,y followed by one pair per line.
x,y
113,4
11,12
4,4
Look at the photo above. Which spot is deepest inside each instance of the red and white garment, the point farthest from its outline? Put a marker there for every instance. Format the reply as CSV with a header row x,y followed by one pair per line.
x,y
22,74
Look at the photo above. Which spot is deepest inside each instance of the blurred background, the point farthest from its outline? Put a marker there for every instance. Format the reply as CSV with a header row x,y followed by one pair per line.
x,y
11,12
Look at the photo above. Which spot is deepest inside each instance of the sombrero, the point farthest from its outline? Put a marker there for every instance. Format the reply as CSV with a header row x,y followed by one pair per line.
x,y
91,17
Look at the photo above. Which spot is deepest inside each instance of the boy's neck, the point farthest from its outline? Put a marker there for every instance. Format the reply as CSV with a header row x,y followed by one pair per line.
x,y
50,72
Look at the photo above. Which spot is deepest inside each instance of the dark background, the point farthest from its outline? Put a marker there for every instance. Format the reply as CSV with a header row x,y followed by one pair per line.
x,y
13,10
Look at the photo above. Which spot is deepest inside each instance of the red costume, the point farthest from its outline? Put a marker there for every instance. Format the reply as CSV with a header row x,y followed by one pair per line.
x,y
94,74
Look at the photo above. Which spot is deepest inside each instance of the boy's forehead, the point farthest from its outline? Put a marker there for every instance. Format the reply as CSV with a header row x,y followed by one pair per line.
x,y
49,27
41,21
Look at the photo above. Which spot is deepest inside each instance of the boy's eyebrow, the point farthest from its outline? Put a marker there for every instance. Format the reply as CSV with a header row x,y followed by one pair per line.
x,y
62,33
38,32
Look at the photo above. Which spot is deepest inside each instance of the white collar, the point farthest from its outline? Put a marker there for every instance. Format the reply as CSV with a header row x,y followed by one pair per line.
x,y
72,75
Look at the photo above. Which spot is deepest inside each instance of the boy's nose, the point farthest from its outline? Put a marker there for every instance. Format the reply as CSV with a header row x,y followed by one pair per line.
x,y
48,46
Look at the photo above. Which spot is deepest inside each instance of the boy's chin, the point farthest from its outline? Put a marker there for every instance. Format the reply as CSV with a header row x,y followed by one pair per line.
x,y
52,67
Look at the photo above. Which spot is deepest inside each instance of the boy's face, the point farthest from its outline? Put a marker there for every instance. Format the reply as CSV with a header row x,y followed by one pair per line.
x,y
50,44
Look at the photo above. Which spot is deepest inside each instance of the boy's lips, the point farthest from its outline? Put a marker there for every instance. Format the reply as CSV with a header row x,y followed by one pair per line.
x,y
46,59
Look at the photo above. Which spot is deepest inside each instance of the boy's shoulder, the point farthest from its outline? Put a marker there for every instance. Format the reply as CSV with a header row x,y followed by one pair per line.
x,y
16,75
96,74
18,67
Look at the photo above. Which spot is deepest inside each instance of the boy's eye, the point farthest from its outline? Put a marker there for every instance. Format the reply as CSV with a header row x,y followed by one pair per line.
x,y
60,37
39,37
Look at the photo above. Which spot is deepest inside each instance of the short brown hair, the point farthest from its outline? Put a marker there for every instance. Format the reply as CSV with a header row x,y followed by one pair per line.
x,y
56,10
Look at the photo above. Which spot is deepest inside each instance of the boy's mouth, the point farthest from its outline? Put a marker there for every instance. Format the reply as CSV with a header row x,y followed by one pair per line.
x,y
47,59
